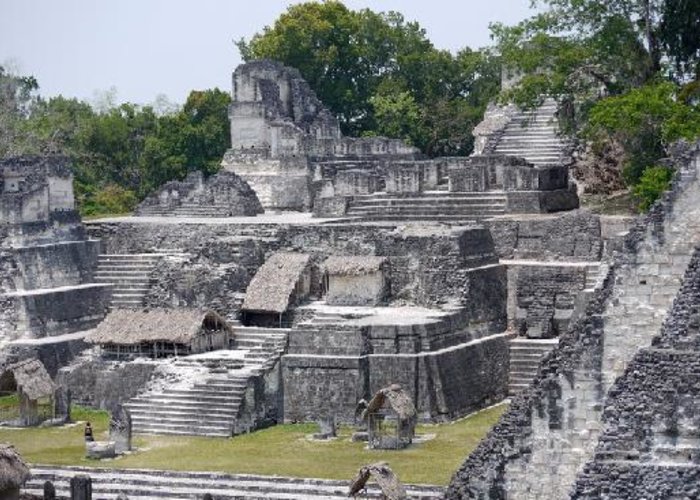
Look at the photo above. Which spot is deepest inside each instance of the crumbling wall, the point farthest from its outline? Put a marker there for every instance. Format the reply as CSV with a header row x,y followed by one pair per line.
x,y
550,431
546,299
571,236
222,195
98,383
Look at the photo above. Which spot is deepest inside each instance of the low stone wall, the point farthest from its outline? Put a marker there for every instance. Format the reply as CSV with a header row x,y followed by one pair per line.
x,y
43,313
444,384
570,236
546,297
103,384
59,264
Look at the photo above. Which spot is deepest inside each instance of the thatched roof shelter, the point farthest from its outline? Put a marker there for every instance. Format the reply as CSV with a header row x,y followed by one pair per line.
x,y
397,398
14,472
388,482
273,286
354,265
176,326
32,379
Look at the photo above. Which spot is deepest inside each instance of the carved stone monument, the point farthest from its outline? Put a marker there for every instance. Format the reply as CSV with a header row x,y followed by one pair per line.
x,y
120,430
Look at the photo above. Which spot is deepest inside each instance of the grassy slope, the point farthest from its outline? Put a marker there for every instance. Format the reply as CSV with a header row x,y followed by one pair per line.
x,y
282,450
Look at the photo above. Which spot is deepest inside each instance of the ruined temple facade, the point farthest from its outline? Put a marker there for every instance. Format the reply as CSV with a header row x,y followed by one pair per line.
x,y
282,137
47,263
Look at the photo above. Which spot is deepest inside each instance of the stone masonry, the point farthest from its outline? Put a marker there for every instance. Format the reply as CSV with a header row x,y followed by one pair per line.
x,y
551,429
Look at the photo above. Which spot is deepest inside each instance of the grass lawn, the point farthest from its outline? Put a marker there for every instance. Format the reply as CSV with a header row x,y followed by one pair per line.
x,y
282,450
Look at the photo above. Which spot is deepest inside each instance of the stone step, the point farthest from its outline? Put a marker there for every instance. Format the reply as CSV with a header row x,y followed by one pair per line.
x,y
108,273
175,410
168,420
186,399
446,210
184,430
190,407
143,485
448,198
465,219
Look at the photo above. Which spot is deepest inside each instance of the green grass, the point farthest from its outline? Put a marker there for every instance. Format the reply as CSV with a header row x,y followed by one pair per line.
x,y
282,450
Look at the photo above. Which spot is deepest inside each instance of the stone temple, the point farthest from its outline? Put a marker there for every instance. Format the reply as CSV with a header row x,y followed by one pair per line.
x,y
315,270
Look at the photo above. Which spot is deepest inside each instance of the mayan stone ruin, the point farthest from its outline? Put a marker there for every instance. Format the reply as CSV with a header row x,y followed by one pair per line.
x,y
317,272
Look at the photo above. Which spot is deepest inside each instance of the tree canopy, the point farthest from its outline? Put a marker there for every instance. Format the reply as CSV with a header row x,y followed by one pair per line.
x,y
381,75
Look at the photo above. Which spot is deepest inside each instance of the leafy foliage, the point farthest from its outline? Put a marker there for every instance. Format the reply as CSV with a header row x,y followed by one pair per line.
x,y
121,153
380,74
653,182
644,120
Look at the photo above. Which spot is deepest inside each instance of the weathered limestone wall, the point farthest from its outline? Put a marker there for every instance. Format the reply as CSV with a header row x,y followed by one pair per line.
x,y
59,264
427,266
574,236
221,259
546,297
56,311
551,429
650,444
222,195
356,290
444,384
103,384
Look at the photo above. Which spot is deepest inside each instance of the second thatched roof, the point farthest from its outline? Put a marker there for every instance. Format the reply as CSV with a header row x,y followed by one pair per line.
x,y
32,379
177,326
14,472
397,398
273,286
354,265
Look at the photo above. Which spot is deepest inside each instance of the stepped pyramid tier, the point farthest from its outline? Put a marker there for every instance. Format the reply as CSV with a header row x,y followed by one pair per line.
x,y
222,195
47,263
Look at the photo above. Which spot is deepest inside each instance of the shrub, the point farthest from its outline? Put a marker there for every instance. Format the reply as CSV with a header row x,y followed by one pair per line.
x,y
653,182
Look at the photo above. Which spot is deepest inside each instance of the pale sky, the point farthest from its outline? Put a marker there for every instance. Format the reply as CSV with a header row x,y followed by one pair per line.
x,y
148,47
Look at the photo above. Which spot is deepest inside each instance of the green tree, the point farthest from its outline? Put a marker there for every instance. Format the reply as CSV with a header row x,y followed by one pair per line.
x,y
380,74
645,121
17,97
679,28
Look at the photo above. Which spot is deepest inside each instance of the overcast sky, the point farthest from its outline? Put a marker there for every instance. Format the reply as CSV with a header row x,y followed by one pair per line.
x,y
148,47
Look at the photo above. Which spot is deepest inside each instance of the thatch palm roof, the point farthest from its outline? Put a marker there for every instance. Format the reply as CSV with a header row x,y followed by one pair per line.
x,y
397,398
13,471
272,287
386,479
130,327
32,379
354,265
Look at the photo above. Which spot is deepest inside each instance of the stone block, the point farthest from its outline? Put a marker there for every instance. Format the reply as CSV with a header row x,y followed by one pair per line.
x,y
98,450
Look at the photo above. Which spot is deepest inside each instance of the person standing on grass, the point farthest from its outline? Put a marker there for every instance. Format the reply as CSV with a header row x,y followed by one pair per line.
x,y
88,432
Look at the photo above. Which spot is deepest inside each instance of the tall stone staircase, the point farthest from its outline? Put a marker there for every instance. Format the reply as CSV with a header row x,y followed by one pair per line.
x,y
210,406
436,206
595,274
129,275
165,485
534,136
525,358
